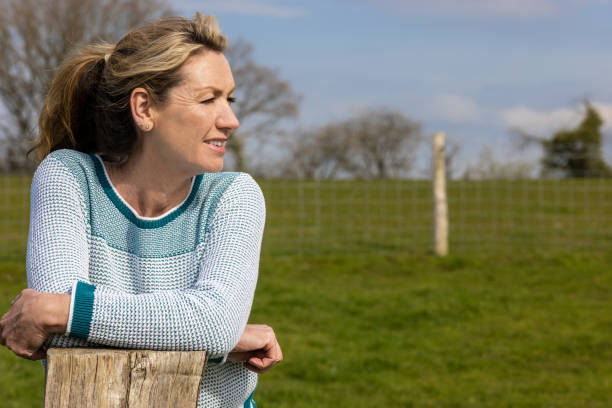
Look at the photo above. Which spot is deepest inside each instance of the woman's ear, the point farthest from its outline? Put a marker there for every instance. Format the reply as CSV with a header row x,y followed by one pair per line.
x,y
141,104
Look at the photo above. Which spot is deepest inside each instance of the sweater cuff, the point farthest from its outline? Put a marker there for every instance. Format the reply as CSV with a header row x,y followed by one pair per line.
x,y
217,360
81,310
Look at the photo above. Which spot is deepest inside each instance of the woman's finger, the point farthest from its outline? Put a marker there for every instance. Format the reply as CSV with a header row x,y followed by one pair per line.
x,y
278,353
259,366
255,368
14,300
262,363
38,354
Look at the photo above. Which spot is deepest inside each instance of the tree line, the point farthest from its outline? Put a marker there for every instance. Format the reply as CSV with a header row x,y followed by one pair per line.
x,y
35,36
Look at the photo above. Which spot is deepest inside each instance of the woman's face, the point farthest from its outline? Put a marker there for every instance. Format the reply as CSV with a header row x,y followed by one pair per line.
x,y
191,129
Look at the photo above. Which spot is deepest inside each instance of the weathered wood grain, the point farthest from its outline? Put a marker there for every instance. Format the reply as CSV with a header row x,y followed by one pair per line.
x,y
109,378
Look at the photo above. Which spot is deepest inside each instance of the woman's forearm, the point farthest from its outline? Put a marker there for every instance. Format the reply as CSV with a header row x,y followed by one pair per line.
x,y
34,316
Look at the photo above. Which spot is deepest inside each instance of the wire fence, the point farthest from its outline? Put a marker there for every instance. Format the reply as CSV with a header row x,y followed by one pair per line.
x,y
315,217
493,216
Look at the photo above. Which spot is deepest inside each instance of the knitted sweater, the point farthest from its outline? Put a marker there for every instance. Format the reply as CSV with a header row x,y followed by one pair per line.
x,y
181,281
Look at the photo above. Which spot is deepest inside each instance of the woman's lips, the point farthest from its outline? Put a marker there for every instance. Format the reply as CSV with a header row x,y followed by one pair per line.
x,y
216,145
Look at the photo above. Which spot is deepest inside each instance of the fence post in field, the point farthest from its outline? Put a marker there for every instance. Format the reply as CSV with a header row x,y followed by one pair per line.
x,y
81,377
440,210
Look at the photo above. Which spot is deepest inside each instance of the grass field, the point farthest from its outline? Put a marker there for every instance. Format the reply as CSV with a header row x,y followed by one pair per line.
x,y
519,316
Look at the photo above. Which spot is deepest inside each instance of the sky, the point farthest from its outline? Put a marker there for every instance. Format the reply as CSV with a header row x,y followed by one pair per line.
x,y
475,69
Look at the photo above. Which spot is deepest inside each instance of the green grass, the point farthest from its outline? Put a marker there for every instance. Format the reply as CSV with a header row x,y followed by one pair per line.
x,y
21,381
518,316
401,330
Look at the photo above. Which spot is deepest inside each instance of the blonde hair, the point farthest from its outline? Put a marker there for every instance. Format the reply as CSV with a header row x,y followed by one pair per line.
x,y
88,105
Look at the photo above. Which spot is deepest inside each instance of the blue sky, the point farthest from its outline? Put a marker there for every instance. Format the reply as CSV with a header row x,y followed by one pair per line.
x,y
472,68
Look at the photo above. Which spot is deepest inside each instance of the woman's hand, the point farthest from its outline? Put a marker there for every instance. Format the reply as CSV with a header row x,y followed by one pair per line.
x,y
32,318
258,348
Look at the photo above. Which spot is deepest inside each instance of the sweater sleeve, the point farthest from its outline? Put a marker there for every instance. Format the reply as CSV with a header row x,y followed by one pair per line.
x,y
58,251
210,315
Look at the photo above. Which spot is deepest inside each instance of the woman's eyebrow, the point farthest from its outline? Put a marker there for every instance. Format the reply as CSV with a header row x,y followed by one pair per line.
x,y
212,88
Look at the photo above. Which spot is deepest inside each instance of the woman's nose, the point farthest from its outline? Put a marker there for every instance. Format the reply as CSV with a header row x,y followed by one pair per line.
x,y
227,119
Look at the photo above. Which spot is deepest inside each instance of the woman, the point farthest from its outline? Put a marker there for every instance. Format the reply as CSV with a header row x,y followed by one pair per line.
x,y
136,240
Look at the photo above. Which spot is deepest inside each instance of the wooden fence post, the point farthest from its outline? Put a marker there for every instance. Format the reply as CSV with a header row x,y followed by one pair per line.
x,y
96,378
440,210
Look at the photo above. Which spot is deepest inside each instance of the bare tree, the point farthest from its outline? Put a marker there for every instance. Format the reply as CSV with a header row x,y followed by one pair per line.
x,y
382,143
374,143
488,167
317,153
451,151
263,100
35,36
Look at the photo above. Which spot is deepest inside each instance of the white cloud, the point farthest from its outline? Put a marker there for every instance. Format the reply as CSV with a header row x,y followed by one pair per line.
x,y
251,7
605,110
501,8
545,123
456,109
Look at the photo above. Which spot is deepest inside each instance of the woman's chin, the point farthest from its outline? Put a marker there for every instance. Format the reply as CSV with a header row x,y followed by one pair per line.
x,y
215,167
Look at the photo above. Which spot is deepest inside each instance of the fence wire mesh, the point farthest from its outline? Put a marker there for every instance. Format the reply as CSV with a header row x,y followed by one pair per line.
x,y
485,216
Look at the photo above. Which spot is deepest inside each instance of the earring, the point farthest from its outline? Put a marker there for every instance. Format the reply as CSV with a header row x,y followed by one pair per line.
x,y
147,126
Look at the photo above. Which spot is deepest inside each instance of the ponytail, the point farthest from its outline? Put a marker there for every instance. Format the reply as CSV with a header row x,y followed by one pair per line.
x,y
67,119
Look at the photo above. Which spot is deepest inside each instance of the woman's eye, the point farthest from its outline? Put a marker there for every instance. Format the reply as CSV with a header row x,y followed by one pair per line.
x,y
210,100
231,99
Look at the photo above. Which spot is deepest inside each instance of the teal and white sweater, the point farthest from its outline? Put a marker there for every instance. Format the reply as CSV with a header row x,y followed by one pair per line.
x,y
181,281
